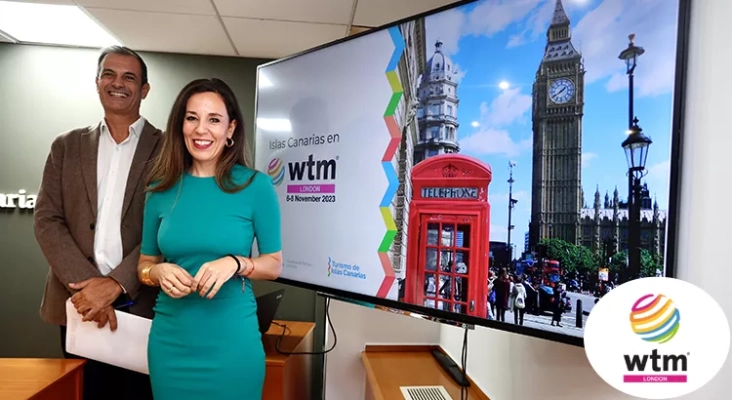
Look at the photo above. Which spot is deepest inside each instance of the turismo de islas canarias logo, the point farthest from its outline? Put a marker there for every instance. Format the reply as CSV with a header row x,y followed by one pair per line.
x,y
637,342
276,171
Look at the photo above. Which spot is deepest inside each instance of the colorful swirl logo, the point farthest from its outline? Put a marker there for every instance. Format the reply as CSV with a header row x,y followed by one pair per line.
x,y
655,318
276,171
329,266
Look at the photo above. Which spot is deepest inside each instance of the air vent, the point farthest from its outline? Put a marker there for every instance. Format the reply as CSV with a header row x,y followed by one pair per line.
x,y
425,393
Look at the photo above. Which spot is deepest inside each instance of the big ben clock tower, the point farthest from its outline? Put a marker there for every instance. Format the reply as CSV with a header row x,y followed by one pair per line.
x,y
558,100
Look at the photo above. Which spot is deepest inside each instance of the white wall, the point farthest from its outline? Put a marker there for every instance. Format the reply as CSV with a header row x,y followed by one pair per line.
x,y
513,367
357,326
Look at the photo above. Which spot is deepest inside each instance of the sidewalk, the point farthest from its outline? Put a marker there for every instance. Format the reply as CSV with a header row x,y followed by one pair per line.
x,y
543,322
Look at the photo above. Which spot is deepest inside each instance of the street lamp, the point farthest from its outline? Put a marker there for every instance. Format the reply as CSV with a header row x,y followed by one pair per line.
x,y
636,147
511,204
636,151
630,56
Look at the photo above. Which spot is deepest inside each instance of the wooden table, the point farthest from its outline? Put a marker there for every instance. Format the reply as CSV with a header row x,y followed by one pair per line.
x,y
41,379
288,377
390,367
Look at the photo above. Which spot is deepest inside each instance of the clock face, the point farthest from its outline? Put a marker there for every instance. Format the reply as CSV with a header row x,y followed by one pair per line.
x,y
561,90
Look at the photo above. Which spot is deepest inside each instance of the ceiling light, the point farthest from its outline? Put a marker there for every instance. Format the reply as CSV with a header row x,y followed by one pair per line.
x,y
52,24
274,124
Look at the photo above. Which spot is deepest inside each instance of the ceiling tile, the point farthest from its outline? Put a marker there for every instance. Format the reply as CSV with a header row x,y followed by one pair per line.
x,y
381,12
170,33
64,2
197,7
325,11
358,29
276,39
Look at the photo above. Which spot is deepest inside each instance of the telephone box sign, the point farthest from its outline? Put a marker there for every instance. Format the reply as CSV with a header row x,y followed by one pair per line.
x,y
450,193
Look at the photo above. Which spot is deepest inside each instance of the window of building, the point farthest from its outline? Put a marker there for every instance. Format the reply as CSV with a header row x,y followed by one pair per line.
x,y
432,152
449,110
435,132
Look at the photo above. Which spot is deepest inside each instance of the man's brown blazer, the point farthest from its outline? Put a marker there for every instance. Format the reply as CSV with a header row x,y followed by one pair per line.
x,y
66,213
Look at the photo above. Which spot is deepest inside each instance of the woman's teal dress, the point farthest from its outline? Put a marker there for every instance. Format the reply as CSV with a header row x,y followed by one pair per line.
x,y
201,349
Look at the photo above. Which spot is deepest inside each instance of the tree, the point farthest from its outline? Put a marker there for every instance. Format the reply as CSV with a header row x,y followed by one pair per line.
x,y
649,263
573,258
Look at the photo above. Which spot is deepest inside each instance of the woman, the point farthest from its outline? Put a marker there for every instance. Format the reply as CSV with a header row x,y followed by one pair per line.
x,y
205,207
519,300
557,306
502,286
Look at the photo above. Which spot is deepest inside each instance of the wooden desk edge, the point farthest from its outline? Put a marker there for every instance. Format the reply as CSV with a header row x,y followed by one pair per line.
x,y
371,377
379,348
79,365
74,364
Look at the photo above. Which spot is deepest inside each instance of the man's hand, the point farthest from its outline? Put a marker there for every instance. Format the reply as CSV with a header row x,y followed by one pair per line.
x,y
107,315
94,295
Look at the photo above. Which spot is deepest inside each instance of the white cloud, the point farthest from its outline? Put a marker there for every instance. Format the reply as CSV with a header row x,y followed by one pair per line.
x,y
654,24
510,106
447,27
492,141
536,25
586,158
491,17
491,138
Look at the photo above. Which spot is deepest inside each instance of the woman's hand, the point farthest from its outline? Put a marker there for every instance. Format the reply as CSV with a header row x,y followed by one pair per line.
x,y
213,275
174,280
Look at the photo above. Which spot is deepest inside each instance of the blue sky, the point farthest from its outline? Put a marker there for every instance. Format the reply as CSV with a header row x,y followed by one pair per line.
x,y
503,40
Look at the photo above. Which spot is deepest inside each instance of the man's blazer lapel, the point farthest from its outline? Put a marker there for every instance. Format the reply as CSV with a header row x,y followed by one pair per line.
x,y
145,147
89,153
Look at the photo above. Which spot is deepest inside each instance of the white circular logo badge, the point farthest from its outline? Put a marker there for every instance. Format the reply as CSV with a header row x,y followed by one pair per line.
x,y
657,338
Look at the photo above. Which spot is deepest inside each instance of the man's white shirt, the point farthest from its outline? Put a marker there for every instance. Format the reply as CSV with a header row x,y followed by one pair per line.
x,y
113,167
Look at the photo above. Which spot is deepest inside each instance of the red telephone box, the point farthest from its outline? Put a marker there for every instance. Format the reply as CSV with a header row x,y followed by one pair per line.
x,y
449,224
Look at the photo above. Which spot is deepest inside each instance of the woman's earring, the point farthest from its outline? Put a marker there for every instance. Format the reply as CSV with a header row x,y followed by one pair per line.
x,y
229,142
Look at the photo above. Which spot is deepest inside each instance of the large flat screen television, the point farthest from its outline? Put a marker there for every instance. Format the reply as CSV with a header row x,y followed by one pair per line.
x,y
436,164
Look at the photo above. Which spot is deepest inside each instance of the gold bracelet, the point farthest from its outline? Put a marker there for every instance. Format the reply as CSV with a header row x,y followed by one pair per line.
x,y
145,276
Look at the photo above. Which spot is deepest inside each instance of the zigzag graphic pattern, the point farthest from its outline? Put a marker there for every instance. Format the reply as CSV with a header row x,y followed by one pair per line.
x,y
386,161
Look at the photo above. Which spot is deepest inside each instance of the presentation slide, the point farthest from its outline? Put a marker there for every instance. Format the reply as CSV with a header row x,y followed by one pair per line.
x,y
324,125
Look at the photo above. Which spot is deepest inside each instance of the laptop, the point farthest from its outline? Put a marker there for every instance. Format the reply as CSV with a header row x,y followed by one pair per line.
x,y
267,306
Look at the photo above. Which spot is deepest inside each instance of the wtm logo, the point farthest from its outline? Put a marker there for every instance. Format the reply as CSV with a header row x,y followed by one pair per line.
x,y
276,171
655,319
312,170
345,270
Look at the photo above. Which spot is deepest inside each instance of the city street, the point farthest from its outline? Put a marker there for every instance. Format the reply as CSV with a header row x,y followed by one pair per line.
x,y
588,301
544,321
569,321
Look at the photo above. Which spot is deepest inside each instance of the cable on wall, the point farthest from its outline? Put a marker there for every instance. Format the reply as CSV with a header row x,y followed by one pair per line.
x,y
285,330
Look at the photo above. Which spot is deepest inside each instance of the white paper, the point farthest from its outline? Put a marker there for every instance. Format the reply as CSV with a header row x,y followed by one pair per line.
x,y
125,348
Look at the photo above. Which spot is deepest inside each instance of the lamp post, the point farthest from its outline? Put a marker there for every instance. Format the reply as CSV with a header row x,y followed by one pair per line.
x,y
630,56
511,204
636,151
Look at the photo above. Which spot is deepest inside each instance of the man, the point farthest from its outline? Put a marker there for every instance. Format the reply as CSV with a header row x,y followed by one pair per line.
x,y
88,217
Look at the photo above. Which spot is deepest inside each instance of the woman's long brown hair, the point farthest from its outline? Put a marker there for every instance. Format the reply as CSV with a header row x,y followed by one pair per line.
x,y
174,159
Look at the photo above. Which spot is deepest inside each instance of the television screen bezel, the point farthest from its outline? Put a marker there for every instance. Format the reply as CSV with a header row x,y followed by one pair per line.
x,y
677,127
